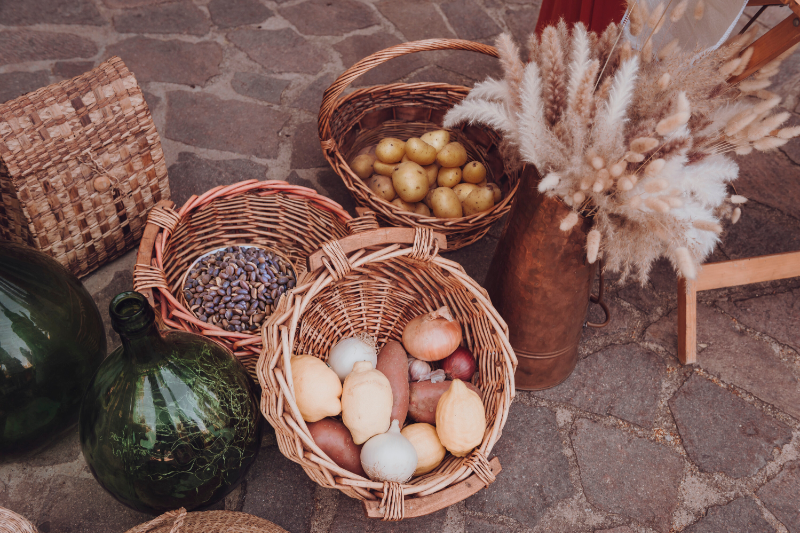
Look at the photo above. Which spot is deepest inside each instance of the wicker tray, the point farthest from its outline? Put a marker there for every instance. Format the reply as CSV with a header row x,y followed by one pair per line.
x,y
11,522
207,522
292,219
407,110
375,282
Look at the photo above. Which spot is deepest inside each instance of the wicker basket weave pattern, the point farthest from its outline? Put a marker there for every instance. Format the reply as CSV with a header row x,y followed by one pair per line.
x,y
180,521
55,142
375,282
11,522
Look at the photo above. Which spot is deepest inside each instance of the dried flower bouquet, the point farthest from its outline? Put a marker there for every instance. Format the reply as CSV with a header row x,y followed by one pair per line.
x,y
639,140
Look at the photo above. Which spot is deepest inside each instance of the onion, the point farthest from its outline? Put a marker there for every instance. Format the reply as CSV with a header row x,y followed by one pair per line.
x,y
349,351
432,336
460,364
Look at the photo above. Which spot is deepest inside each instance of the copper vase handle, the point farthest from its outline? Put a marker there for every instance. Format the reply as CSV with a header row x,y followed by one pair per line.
x,y
599,301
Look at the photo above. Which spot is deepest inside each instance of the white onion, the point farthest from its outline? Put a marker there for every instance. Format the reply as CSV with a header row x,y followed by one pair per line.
x,y
349,351
389,456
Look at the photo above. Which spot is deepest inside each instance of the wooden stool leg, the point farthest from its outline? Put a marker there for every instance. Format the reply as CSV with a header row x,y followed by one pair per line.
x,y
687,321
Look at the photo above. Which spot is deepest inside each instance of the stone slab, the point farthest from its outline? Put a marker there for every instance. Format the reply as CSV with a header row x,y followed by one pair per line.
x,y
192,174
355,48
17,46
620,529
310,98
121,281
475,524
723,433
335,189
350,518
260,87
29,12
323,17
624,381
279,50
14,84
535,472
233,13
472,65
780,495
176,17
739,516
777,315
627,475
206,121
306,150
476,258
765,178
521,21
434,74
70,69
469,20
406,17
127,4
761,231
170,61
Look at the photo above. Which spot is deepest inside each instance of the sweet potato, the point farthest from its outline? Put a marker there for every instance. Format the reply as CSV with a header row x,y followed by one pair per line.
x,y
423,397
335,439
393,363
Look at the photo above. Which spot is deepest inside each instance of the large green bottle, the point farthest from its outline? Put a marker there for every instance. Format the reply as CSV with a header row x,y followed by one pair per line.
x,y
170,419
51,342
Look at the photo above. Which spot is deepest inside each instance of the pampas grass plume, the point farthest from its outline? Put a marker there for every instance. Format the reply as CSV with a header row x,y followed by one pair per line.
x,y
592,245
647,51
685,263
743,149
655,17
549,182
664,80
766,105
597,162
569,221
707,225
728,68
625,184
641,145
769,143
699,9
636,18
669,49
635,202
674,202
617,169
578,198
737,214
738,199
745,61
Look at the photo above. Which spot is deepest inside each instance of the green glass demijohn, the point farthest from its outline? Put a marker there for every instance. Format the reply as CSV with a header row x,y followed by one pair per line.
x,y
170,419
52,341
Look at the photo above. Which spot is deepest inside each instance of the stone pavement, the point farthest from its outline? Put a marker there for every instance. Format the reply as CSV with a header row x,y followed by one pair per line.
x,y
632,442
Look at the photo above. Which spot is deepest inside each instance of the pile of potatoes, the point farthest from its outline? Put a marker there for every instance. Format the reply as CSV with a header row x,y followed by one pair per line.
x,y
427,174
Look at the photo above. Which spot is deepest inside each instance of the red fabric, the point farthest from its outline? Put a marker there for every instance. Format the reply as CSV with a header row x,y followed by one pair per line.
x,y
595,14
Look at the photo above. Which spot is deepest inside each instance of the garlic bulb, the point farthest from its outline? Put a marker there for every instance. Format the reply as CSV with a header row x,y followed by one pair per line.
x,y
349,351
418,369
389,456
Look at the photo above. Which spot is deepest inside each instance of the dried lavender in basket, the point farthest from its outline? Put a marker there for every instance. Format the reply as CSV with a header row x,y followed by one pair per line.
x,y
237,287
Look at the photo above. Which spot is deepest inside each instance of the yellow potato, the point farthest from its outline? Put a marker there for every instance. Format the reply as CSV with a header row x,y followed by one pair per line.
x,y
427,199
445,204
420,152
384,169
449,177
390,150
498,194
422,209
367,150
362,165
433,173
474,172
405,158
484,183
382,187
481,199
410,181
438,139
404,206
462,190
452,155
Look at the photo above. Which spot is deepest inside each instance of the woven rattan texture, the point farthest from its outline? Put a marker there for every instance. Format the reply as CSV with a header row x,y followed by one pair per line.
x,y
293,220
55,142
11,522
207,522
377,291
407,110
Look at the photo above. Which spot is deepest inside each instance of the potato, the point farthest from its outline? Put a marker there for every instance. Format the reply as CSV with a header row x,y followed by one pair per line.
x,y
420,152
367,150
427,199
390,150
423,396
438,139
484,183
474,172
445,204
410,182
498,194
393,363
433,172
404,206
382,187
481,199
448,177
405,158
335,440
362,165
462,190
452,155
384,169
422,209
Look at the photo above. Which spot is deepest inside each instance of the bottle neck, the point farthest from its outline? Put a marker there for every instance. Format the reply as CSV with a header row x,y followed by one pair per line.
x,y
135,321
145,346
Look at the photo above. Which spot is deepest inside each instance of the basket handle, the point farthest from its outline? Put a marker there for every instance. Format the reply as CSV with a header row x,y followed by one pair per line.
x,y
437,501
331,96
374,237
147,246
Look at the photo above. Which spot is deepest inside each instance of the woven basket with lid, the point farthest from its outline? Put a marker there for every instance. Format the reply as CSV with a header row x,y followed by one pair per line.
x,y
294,220
350,123
180,521
374,282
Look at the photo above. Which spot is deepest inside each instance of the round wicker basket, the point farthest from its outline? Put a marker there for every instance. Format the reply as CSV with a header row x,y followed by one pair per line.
x,y
294,220
375,282
11,522
403,110
207,522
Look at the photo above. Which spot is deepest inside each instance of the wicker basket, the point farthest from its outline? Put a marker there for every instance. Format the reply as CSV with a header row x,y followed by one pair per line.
x,y
11,522
207,522
375,282
292,219
80,166
408,110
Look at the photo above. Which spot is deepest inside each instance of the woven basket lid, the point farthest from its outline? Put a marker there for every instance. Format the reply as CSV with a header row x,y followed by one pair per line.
x,y
11,522
207,522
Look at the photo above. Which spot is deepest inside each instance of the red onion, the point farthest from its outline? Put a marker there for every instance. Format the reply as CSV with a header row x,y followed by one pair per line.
x,y
460,364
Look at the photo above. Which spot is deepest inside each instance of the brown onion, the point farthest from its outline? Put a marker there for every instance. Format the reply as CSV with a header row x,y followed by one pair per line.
x,y
460,364
432,336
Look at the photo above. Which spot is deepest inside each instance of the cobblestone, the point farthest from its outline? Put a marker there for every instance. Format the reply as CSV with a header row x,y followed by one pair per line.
x,y
179,17
15,84
232,13
739,516
170,61
780,496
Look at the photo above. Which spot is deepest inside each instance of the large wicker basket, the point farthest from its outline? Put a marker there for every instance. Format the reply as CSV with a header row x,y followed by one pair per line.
x,y
11,522
402,110
375,282
292,219
180,521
